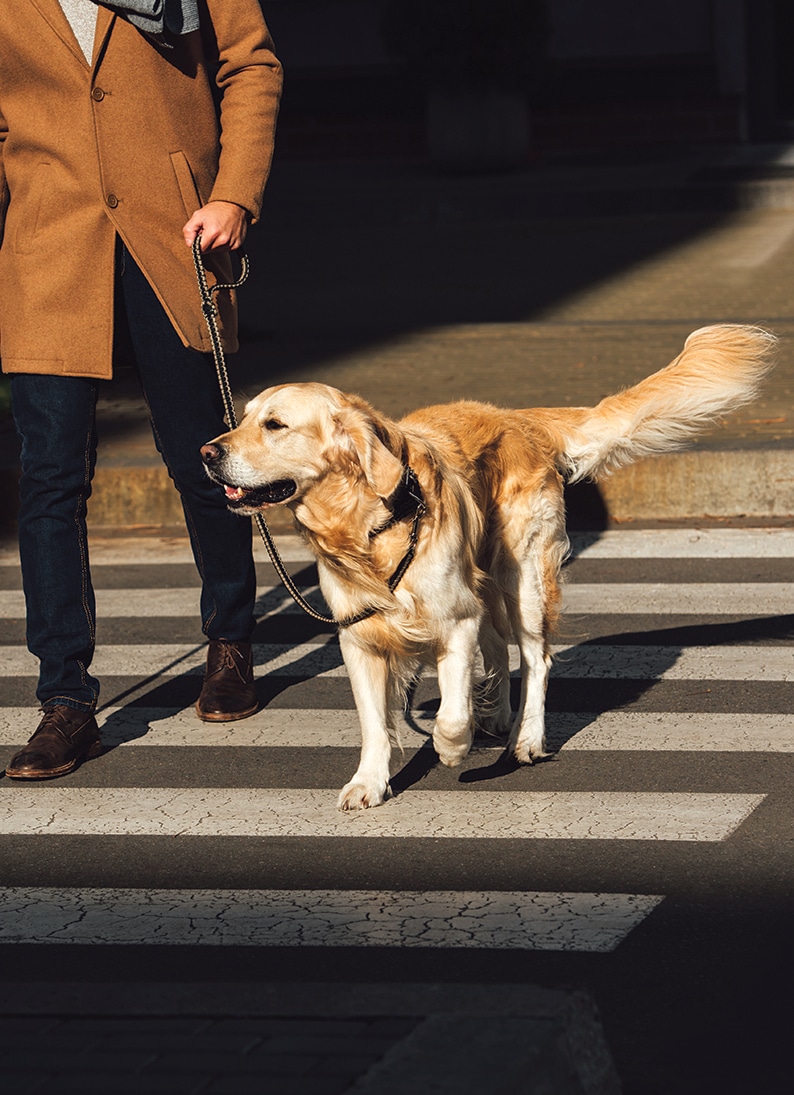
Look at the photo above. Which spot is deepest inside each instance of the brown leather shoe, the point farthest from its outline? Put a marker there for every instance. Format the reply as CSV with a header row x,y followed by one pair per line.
x,y
64,738
228,692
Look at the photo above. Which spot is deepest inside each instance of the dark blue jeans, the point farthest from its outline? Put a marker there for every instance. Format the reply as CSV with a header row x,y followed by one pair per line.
x,y
55,419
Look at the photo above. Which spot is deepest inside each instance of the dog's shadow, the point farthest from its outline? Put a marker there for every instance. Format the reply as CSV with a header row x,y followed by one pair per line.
x,y
574,703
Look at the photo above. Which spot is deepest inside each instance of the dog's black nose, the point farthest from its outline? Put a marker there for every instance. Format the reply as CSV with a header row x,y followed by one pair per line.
x,y
211,452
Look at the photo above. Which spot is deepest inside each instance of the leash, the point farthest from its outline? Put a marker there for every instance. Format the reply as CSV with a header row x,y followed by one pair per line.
x,y
409,485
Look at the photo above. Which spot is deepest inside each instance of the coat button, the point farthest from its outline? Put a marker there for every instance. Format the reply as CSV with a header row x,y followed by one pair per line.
x,y
97,95
112,201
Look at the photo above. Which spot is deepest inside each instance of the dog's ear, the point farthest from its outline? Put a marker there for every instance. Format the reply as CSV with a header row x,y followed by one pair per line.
x,y
356,432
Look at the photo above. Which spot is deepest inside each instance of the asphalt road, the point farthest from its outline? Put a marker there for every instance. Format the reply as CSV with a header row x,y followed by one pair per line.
x,y
649,863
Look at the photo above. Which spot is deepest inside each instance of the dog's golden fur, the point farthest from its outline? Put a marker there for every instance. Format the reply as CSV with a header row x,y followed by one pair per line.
x,y
492,542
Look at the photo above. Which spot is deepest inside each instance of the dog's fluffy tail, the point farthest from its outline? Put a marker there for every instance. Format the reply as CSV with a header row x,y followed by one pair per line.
x,y
719,370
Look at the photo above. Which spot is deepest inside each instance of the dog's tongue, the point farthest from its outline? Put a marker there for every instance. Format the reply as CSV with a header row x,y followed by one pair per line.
x,y
235,493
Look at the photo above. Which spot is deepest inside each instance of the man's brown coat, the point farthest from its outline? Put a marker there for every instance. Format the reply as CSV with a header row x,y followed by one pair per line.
x,y
128,146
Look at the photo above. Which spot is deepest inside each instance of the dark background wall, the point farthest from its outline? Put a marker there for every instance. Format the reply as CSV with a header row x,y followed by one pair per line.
x,y
615,73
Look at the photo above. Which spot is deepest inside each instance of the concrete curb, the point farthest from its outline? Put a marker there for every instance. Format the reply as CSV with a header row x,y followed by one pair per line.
x,y
719,483
471,1038
557,1054
703,483
697,180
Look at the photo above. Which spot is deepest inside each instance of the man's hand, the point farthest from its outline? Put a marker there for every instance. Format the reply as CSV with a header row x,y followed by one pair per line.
x,y
223,226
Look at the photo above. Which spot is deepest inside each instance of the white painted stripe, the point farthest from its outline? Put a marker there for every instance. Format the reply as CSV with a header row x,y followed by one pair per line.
x,y
494,815
168,660
323,918
674,543
317,729
680,598
123,550
619,662
179,602
676,731
657,598
685,543
730,663
270,728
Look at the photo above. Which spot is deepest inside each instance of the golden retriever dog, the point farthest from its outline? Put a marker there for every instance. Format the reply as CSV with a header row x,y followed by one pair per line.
x,y
444,533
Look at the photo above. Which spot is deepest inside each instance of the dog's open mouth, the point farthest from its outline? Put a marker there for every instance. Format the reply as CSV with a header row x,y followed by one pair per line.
x,y
269,494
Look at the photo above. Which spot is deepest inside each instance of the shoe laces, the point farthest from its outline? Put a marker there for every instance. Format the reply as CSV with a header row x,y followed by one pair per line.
x,y
227,656
52,716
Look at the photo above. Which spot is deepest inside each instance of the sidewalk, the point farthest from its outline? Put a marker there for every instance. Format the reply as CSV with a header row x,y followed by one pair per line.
x,y
413,288
416,288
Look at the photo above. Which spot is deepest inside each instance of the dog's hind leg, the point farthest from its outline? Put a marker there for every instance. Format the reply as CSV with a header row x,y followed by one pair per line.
x,y
369,678
494,714
528,738
454,729
534,612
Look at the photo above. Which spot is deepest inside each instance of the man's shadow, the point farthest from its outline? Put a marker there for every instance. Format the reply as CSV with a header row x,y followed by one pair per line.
x,y
277,622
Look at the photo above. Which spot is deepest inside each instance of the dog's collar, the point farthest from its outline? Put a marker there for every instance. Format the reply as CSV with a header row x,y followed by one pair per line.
x,y
406,501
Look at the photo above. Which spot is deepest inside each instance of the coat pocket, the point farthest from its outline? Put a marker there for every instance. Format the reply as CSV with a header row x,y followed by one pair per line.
x,y
23,212
191,199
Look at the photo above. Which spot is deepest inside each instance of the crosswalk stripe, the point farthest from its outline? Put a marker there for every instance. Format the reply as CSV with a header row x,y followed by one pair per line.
x,y
616,662
619,662
156,550
677,731
673,543
358,918
685,543
717,598
494,815
304,728
695,598
528,920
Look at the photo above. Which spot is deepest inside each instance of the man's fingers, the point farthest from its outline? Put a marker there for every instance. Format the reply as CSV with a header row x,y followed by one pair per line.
x,y
222,226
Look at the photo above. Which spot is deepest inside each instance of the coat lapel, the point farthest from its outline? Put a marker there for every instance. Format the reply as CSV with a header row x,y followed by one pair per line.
x,y
105,21
52,11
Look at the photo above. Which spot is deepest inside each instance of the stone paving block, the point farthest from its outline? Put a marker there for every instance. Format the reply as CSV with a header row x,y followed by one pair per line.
x,y
249,1085
112,1083
305,1026
187,1025
25,1024
76,1059
210,1042
299,1043
352,1064
56,1042
54,1038
223,1064
29,1084
391,1027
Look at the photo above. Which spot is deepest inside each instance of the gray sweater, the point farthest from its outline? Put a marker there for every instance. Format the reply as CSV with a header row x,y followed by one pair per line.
x,y
82,16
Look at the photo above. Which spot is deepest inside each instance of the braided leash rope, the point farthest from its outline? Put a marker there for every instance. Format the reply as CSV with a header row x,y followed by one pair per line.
x,y
210,310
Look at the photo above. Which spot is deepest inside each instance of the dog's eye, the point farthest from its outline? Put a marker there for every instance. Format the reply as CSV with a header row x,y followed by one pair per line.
x,y
274,424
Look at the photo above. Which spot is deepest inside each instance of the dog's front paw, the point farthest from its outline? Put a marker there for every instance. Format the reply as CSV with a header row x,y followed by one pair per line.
x,y
530,753
452,756
358,795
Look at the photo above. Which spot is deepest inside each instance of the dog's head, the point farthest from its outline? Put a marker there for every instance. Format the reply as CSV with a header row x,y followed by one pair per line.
x,y
291,437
